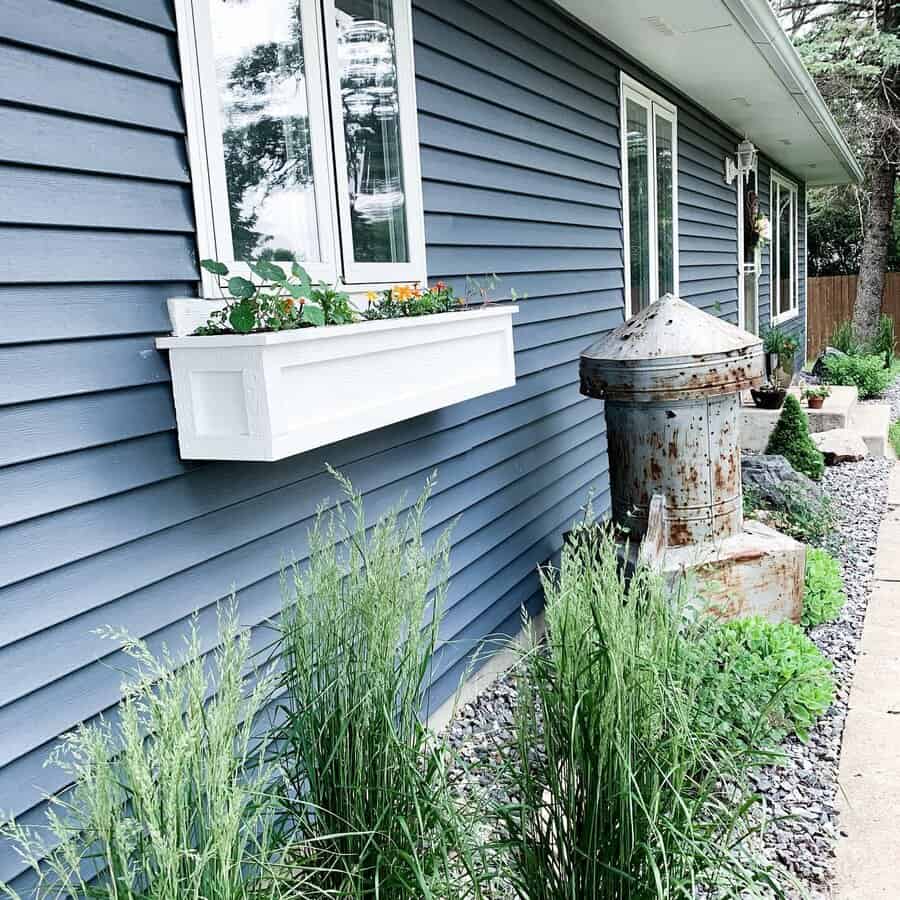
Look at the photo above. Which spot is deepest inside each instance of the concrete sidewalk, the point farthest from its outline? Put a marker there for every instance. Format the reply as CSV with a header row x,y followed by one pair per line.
x,y
868,852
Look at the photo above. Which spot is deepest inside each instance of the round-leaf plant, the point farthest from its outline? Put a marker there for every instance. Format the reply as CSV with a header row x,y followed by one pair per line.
x,y
824,596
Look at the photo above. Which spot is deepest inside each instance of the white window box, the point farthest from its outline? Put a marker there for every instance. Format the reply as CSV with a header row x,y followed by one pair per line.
x,y
271,395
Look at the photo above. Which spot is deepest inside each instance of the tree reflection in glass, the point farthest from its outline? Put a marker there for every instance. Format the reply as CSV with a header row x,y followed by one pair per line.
x,y
370,108
258,52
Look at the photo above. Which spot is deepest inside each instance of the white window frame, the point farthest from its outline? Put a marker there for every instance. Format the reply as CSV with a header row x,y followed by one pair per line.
x,y
779,182
656,105
207,162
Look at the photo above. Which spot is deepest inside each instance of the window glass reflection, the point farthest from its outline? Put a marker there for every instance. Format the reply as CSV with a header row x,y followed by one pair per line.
x,y
258,51
638,204
370,107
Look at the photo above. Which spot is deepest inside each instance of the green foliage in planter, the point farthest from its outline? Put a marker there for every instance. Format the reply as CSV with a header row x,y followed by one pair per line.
x,y
791,440
866,373
824,597
617,791
278,300
189,811
368,782
762,682
803,520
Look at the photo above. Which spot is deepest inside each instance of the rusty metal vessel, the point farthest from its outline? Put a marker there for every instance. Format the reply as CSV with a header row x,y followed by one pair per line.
x,y
671,377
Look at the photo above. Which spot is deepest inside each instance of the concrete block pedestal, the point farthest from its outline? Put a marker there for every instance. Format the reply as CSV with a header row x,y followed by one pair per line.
x,y
757,572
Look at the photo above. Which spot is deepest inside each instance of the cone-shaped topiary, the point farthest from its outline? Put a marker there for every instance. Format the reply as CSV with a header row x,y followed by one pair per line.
x,y
791,440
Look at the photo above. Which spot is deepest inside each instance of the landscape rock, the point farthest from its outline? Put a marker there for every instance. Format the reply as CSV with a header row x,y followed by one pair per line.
x,y
818,369
771,478
840,445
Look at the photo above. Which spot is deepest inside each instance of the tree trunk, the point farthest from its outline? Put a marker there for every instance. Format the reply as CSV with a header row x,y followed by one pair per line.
x,y
873,259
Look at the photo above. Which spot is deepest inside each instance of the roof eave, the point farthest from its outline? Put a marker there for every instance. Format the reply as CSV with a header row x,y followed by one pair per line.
x,y
760,22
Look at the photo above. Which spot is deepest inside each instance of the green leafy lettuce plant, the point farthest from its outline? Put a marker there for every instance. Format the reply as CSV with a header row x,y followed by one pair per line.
x,y
174,800
278,300
617,787
867,373
791,439
368,782
824,597
762,682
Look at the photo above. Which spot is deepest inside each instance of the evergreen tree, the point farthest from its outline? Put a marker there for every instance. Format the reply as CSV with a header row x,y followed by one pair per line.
x,y
791,440
852,48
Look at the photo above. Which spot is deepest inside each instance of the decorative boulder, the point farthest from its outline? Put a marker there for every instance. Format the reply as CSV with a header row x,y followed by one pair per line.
x,y
772,478
819,368
840,445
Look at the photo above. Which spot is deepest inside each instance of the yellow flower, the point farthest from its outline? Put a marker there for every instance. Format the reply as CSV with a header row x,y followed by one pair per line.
x,y
371,296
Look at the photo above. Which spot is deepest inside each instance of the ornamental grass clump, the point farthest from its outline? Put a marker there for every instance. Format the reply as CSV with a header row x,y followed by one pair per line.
x,y
791,440
619,794
173,801
369,786
824,596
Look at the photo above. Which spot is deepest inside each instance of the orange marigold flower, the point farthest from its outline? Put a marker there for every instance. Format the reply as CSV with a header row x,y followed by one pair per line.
x,y
401,292
287,304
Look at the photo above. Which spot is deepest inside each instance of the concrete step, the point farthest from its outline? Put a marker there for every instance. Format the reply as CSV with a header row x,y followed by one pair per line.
x,y
757,424
872,421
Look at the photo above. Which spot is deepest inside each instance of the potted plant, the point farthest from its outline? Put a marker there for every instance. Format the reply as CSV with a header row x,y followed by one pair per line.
x,y
279,365
779,348
815,396
769,395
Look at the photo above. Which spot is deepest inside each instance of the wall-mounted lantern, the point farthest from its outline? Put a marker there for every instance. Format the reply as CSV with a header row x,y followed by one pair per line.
x,y
743,164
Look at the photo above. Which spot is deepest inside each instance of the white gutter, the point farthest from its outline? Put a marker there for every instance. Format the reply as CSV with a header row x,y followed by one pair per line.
x,y
759,21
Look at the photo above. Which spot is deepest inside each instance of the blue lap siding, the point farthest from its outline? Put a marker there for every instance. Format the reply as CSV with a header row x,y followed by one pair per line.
x,y
102,523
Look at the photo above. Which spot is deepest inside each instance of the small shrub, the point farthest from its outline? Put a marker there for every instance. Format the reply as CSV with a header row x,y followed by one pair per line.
x,y
885,343
845,340
866,373
791,440
617,791
824,596
763,682
805,521
189,811
368,781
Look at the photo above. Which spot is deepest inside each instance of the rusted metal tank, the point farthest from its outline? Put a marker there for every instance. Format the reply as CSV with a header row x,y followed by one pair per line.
x,y
671,377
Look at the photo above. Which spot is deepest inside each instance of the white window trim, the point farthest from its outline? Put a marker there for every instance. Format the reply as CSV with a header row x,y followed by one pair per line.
x,y
776,179
207,164
631,88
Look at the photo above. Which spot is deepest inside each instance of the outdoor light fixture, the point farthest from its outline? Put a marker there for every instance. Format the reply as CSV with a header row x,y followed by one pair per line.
x,y
743,164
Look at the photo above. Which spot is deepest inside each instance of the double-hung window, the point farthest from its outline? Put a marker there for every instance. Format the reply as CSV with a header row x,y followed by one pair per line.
x,y
649,129
783,260
302,135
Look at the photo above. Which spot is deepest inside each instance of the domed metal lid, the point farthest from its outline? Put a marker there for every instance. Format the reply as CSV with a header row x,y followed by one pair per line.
x,y
671,350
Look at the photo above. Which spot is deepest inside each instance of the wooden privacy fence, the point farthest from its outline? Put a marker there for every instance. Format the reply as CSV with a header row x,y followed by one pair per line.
x,y
830,302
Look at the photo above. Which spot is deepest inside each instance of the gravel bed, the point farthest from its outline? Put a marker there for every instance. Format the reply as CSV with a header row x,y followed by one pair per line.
x,y
891,396
804,788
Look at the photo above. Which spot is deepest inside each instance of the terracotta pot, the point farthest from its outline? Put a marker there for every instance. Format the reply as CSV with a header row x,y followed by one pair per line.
x,y
768,399
815,402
